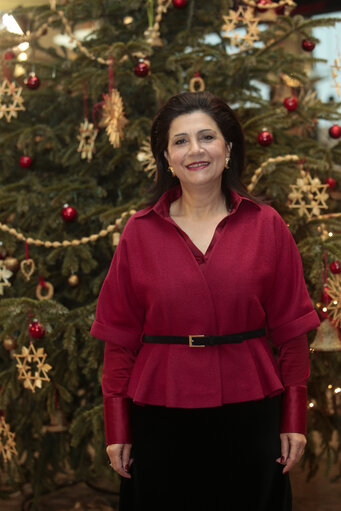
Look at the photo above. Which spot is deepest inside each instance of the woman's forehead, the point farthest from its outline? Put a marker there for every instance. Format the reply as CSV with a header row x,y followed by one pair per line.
x,y
192,122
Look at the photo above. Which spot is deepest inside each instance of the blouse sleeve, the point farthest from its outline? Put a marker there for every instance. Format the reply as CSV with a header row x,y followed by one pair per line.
x,y
119,322
288,307
119,315
289,316
294,367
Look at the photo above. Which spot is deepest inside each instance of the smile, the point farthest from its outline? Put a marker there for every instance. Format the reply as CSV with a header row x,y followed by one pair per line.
x,y
198,165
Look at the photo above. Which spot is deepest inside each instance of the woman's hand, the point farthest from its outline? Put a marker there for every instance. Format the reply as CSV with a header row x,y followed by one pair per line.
x,y
292,448
119,455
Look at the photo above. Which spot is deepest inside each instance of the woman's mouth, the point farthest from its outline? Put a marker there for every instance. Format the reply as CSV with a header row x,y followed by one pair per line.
x,y
197,165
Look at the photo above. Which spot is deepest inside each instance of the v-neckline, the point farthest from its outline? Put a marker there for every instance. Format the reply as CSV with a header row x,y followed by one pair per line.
x,y
198,254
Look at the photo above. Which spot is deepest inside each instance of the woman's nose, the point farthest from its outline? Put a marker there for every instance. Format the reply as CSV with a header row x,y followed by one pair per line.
x,y
194,146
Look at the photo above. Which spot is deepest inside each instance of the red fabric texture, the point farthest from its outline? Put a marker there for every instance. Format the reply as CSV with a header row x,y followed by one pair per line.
x,y
159,283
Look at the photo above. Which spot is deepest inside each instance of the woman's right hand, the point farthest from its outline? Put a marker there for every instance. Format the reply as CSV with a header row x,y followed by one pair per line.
x,y
119,455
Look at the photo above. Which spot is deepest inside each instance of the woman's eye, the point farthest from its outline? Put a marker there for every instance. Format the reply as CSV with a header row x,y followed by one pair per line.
x,y
208,137
180,141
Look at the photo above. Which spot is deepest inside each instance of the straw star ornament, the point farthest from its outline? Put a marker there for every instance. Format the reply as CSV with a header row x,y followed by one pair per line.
x,y
11,101
309,195
113,118
145,156
32,367
7,443
86,137
334,291
335,71
5,274
241,17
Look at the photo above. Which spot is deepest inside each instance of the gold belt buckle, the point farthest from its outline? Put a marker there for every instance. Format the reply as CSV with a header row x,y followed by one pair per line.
x,y
190,341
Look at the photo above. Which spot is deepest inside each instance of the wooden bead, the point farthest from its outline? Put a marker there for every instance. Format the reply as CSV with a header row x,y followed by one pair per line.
x,y
73,280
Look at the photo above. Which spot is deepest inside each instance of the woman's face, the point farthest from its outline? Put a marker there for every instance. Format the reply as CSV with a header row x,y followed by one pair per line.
x,y
196,148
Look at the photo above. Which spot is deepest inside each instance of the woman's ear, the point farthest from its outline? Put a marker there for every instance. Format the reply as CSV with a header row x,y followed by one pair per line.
x,y
229,148
165,154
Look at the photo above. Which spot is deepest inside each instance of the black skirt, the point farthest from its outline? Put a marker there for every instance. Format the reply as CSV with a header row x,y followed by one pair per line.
x,y
207,459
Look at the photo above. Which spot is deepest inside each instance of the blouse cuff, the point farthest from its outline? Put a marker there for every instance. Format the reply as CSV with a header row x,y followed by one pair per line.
x,y
294,410
117,420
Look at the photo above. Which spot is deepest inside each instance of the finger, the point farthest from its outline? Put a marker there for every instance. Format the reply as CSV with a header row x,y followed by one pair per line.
x,y
126,457
285,448
294,456
116,461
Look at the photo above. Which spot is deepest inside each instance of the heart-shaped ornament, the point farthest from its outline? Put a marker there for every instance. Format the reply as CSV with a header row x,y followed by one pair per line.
x,y
27,267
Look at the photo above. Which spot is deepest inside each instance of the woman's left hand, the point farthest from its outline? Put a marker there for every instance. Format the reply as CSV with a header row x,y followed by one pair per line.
x,y
292,448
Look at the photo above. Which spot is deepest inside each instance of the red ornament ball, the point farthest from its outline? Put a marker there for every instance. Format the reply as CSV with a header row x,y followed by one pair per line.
x,y
25,162
307,45
290,103
69,213
141,69
325,298
36,330
32,82
9,55
335,267
265,138
331,182
179,4
261,3
335,131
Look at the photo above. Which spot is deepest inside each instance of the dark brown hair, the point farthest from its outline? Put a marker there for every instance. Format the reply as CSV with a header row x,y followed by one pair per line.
x,y
221,113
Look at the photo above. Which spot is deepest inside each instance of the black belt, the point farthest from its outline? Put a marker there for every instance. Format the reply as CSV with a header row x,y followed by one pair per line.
x,y
200,341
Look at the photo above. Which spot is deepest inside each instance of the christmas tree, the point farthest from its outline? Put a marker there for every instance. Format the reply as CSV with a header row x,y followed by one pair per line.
x,y
76,164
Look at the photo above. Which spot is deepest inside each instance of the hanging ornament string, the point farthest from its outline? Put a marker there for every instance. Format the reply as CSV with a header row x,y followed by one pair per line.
x,y
87,131
27,266
68,29
56,244
260,170
117,226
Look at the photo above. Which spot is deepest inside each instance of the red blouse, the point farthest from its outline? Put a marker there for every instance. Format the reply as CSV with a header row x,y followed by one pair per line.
x,y
159,282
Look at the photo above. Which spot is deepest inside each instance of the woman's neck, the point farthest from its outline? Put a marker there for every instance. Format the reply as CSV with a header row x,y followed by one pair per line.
x,y
199,204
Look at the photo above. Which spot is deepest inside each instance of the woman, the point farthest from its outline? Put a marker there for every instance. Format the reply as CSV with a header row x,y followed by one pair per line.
x,y
199,415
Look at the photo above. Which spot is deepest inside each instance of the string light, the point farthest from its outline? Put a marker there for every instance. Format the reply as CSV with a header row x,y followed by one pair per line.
x,y
311,404
127,20
11,24
22,57
24,46
337,390
330,386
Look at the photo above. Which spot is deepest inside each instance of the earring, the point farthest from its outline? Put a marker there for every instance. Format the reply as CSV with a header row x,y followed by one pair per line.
x,y
227,159
170,168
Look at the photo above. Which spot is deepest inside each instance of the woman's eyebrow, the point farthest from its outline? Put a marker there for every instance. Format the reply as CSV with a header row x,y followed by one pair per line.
x,y
200,131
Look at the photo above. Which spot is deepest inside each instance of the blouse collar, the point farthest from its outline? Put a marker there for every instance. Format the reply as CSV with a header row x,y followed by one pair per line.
x,y
161,207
